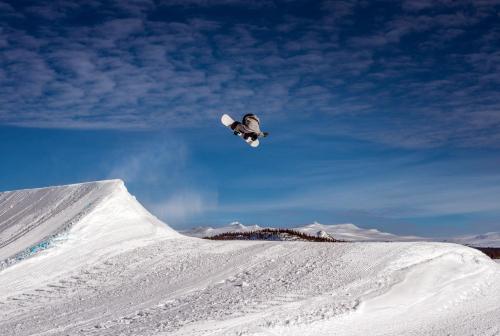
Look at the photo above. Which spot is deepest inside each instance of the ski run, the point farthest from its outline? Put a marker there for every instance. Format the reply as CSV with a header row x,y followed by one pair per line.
x,y
88,259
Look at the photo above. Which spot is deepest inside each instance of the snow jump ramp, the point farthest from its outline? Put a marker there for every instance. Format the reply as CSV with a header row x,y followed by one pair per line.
x,y
92,216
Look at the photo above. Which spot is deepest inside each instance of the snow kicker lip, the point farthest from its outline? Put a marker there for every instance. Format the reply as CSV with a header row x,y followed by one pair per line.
x,y
34,220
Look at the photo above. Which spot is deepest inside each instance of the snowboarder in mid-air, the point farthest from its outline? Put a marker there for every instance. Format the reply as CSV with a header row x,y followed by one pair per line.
x,y
248,129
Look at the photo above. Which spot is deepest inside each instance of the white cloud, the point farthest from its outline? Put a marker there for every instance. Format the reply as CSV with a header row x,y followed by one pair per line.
x,y
132,71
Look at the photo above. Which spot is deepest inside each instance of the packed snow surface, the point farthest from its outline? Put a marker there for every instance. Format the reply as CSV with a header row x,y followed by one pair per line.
x,y
117,270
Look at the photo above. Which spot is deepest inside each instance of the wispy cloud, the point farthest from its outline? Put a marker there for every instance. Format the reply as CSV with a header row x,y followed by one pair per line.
x,y
132,65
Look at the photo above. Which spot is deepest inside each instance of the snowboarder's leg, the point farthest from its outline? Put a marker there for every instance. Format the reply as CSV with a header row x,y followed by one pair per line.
x,y
246,133
245,130
236,127
250,135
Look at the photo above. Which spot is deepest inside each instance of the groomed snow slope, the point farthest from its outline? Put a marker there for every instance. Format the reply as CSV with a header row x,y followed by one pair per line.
x,y
122,272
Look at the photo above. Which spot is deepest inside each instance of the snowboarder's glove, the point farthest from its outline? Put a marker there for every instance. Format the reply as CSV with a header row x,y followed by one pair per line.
x,y
264,134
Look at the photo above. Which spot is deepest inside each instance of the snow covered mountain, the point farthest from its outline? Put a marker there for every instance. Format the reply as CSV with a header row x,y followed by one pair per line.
x,y
88,259
490,239
351,232
208,231
348,232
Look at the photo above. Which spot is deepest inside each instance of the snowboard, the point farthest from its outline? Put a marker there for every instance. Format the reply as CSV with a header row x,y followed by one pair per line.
x,y
228,121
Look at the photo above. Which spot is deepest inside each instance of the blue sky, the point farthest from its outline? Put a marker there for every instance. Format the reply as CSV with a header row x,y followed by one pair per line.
x,y
385,114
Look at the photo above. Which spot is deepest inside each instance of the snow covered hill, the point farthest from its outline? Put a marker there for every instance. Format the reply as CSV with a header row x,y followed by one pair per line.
x,y
208,231
351,232
348,232
490,239
273,235
99,264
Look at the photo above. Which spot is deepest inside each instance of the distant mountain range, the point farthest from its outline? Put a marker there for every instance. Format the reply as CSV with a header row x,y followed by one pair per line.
x,y
349,232
490,239
208,231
